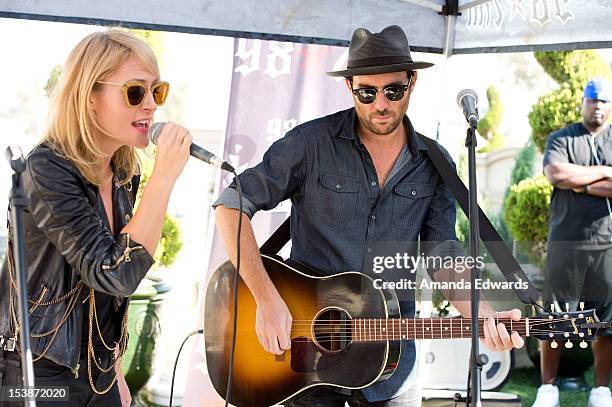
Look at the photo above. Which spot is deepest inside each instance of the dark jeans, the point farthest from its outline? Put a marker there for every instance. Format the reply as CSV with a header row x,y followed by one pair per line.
x,y
48,373
327,397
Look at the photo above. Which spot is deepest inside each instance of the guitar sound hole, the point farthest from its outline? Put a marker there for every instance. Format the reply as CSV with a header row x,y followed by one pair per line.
x,y
332,329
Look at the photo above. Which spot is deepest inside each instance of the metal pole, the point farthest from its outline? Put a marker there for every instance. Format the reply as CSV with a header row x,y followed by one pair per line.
x,y
18,202
474,239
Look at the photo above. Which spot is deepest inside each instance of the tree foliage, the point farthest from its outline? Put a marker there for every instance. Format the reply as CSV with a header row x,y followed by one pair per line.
x,y
524,164
488,126
170,243
155,40
561,107
53,79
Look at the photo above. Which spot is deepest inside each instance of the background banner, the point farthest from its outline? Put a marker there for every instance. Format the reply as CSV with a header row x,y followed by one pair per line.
x,y
275,86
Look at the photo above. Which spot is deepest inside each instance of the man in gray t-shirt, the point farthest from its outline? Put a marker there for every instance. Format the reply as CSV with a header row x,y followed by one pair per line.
x,y
578,163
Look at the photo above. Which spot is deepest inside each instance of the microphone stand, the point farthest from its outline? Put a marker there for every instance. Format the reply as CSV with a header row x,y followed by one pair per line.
x,y
477,361
18,201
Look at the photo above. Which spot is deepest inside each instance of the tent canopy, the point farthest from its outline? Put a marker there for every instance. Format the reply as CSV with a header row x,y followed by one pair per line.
x,y
438,26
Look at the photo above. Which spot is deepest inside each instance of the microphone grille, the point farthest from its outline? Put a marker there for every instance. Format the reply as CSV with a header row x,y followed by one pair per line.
x,y
155,130
464,93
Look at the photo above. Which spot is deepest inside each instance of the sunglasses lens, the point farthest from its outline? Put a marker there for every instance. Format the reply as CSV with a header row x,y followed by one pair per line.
x,y
366,96
160,92
135,94
394,93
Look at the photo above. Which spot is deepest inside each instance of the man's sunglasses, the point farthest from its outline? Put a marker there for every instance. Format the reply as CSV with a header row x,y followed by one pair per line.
x,y
135,92
393,93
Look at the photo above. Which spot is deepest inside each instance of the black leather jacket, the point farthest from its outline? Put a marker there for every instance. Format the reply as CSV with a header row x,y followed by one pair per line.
x,y
68,239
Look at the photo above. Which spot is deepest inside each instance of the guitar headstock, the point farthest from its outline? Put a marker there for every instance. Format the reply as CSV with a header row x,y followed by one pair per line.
x,y
557,326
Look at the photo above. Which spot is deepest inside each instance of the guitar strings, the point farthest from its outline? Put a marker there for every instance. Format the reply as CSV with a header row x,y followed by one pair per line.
x,y
384,337
435,322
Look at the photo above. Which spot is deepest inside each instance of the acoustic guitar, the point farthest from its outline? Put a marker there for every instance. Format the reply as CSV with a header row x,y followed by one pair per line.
x,y
345,333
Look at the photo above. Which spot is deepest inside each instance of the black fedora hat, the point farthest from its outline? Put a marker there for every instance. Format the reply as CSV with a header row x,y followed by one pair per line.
x,y
383,52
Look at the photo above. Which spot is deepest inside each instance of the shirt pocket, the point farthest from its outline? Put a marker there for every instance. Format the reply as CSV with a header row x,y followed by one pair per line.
x,y
337,199
411,201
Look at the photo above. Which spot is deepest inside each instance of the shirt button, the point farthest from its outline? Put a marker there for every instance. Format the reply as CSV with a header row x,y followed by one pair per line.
x,y
338,186
413,193
373,217
373,183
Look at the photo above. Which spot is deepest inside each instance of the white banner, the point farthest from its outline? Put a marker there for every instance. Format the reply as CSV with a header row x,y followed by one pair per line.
x,y
491,26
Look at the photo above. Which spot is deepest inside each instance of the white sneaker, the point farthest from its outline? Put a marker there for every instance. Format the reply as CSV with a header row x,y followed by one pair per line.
x,y
600,397
548,396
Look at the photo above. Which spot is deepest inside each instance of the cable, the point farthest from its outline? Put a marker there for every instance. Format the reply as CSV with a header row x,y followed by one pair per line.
x,y
199,331
237,277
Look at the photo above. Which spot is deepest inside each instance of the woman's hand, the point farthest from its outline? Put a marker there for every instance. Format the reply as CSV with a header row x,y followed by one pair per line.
x,y
145,227
172,151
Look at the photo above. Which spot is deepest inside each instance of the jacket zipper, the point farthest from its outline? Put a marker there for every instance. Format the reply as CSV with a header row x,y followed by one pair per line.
x,y
125,257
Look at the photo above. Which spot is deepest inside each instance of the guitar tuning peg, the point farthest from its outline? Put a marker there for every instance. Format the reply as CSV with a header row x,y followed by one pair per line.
x,y
581,306
567,307
554,344
552,308
569,344
584,345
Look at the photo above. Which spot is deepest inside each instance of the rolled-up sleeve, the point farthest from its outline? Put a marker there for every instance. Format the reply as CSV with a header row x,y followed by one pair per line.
x,y
231,199
62,211
279,175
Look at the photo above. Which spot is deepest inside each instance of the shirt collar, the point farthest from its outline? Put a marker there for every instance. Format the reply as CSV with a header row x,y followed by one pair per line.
x,y
350,132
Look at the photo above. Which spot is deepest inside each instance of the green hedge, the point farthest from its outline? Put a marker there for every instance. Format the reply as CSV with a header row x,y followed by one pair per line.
x,y
526,214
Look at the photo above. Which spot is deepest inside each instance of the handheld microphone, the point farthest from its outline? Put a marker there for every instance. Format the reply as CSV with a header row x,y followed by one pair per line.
x,y
195,150
467,100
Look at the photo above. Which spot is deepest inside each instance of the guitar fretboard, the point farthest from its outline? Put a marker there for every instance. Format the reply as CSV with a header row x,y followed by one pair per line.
x,y
367,330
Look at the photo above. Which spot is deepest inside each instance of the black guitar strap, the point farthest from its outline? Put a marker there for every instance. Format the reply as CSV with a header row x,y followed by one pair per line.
x,y
279,238
492,241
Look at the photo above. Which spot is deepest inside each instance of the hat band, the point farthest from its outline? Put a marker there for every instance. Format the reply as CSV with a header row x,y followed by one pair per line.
x,y
377,61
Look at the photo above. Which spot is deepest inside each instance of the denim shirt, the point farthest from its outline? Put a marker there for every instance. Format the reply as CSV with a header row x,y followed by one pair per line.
x,y
339,211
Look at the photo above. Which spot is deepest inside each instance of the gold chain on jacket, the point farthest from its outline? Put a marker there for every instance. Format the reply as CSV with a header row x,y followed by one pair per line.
x,y
15,322
118,349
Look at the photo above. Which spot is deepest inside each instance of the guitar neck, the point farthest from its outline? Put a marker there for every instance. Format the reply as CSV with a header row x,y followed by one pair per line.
x,y
368,330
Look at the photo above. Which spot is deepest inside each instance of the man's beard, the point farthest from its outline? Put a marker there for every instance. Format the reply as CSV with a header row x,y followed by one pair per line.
x,y
387,128
594,122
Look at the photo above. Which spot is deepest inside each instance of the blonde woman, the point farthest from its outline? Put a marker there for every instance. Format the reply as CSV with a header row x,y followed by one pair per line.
x,y
85,250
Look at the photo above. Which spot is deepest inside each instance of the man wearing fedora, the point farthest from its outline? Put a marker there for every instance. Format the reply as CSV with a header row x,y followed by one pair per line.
x,y
354,177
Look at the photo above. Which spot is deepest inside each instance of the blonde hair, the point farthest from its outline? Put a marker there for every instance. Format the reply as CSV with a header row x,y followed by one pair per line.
x,y
72,121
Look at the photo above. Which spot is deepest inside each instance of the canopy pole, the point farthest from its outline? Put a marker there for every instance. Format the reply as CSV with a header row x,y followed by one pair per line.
x,y
450,10
449,36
